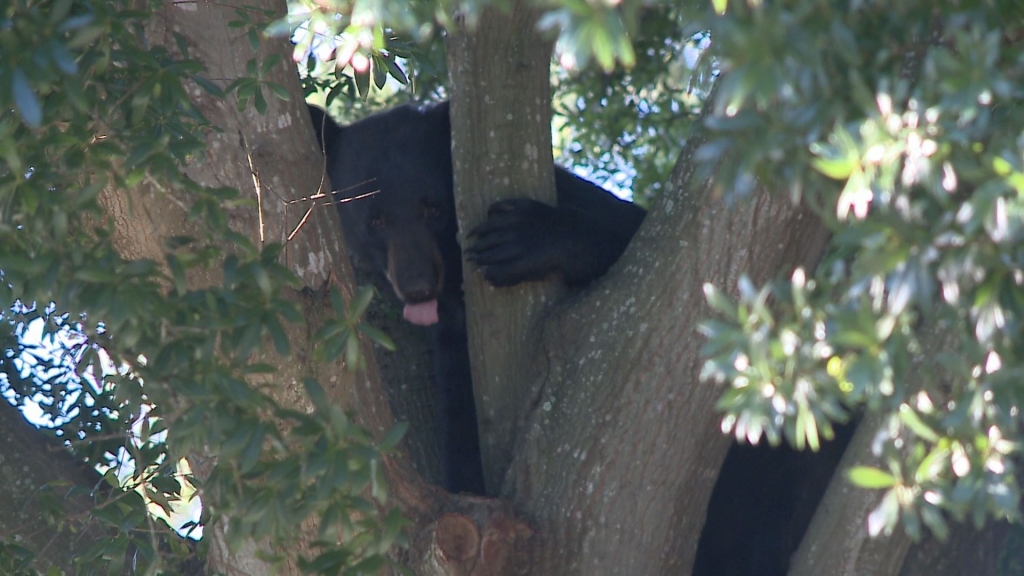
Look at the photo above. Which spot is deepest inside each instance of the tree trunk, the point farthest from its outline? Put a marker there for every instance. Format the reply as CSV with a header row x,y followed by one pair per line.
x,y
616,445
967,550
619,462
273,159
28,461
501,146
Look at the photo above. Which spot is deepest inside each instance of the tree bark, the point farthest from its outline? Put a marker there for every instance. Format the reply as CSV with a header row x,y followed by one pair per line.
x,y
273,159
615,443
28,461
967,550
618,464
501,148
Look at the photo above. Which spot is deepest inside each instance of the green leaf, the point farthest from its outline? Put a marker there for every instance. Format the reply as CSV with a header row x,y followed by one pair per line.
x,y
280,27
807,429
1001,167
935,522
207,85
353,355
268,65
182,44
25,99
162,501
278,335
602,47
316,394
835,168
94,275
371,565
871,478
330,348
393,436
239,439
911,420
377,336
230,271
90,191
392,529
379,70
245,89
254,40
362,80
395,71
75,22
260,102
280,91
931,465
262,279
884,516
60,224
719,6
63,58
177,274
85,35
337,300
58,10
359,304
253,449
328,563
720,302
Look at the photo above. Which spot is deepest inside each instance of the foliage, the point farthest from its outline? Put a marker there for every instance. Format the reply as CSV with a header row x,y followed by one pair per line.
x,y
625,128
347,48
900,122
168,368
622,127
99,108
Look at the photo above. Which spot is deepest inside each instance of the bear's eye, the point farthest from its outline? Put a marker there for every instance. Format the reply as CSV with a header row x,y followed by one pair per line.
x,y
377,221
430,212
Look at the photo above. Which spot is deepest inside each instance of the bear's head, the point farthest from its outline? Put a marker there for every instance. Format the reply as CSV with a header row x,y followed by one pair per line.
x,y
392,178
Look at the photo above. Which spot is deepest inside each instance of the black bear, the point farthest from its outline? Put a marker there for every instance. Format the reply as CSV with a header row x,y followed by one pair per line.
x,y
395,169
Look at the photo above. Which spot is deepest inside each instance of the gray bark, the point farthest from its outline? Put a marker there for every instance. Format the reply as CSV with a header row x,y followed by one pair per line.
x,y
619,462
28,461
615,444
273,159
967,550
501,145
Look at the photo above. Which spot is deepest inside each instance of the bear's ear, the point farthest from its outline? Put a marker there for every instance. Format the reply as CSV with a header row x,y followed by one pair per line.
x,y
438,113
327,131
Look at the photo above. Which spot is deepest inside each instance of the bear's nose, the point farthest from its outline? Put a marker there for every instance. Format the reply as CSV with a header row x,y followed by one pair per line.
x,y
418,295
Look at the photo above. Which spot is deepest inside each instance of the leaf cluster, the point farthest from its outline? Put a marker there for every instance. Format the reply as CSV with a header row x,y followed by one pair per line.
x,y
900,123
626,127
141,369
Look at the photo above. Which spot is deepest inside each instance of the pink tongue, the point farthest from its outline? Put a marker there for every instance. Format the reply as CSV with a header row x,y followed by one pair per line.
x,y
422,314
